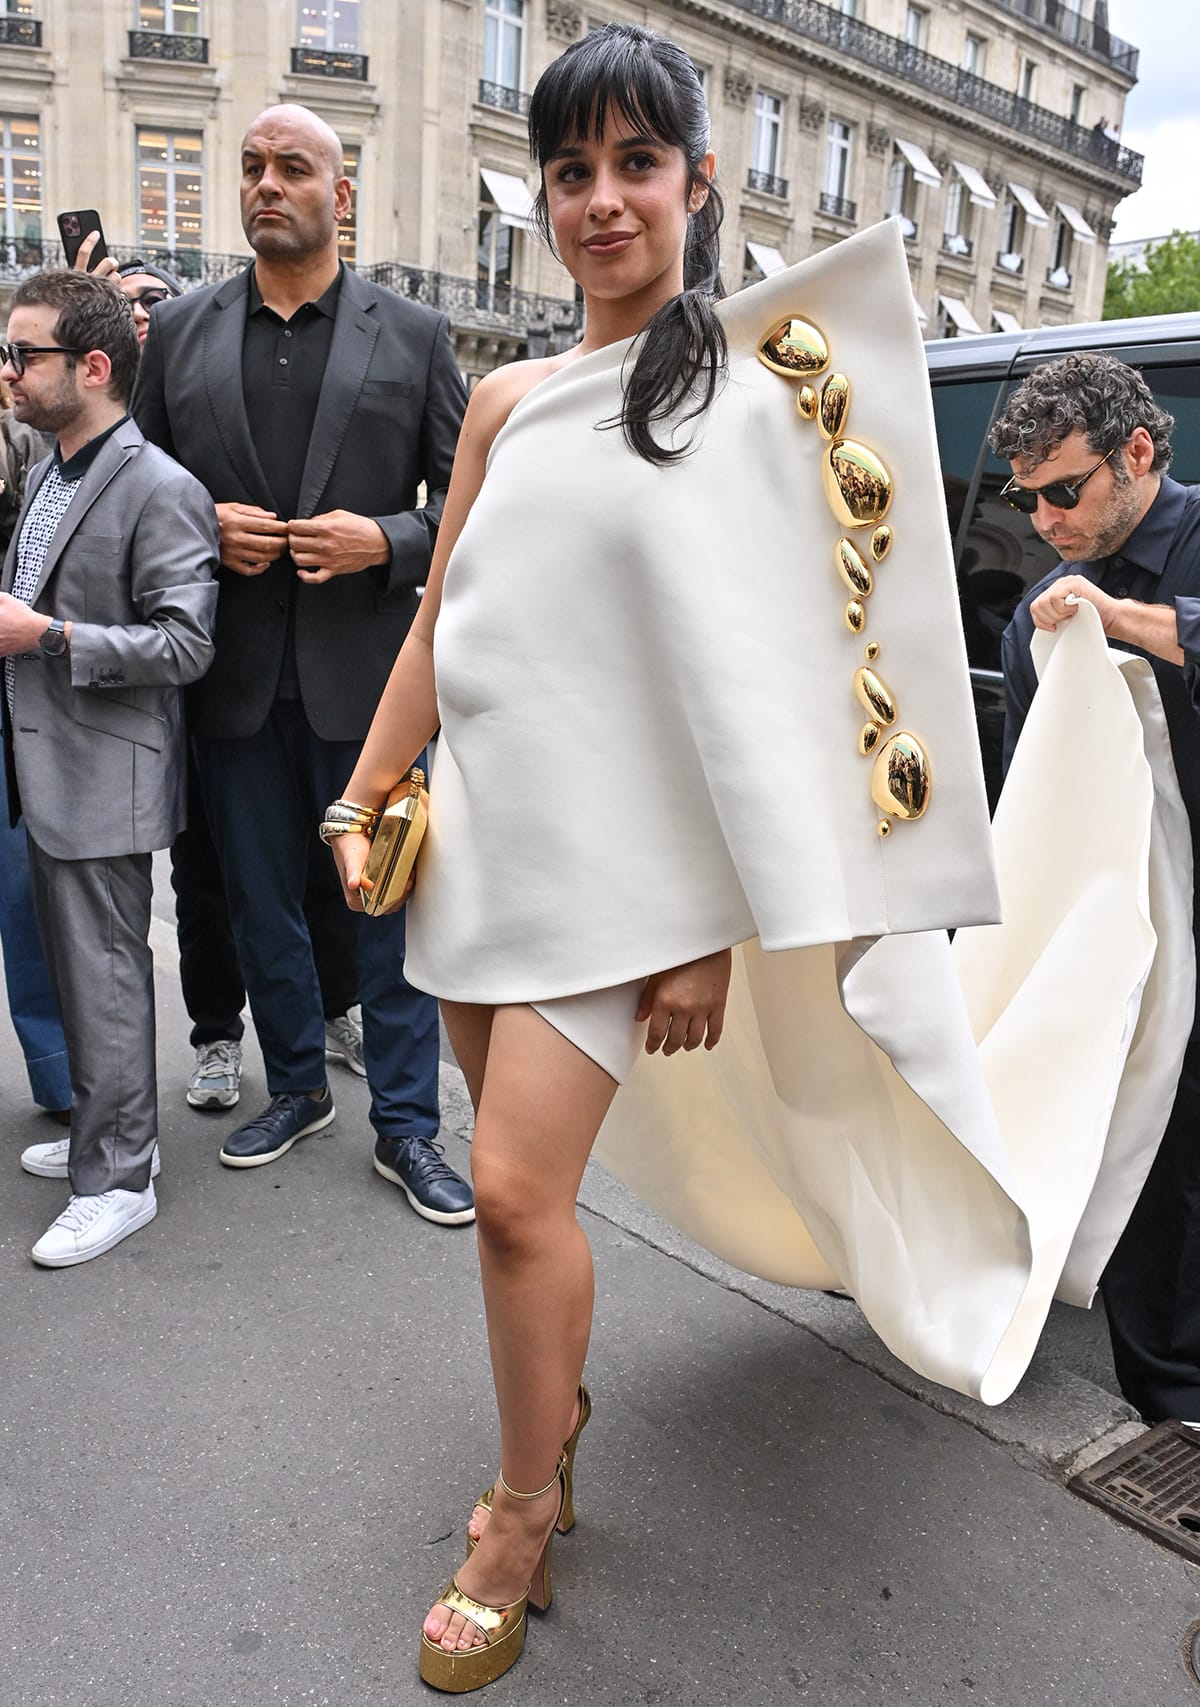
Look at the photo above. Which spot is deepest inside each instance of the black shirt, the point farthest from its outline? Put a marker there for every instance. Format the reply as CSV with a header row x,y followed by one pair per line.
x,y
283,369
77,466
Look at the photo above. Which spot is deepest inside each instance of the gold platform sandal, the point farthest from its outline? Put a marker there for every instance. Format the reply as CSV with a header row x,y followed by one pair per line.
x,y
566,1521
503,1627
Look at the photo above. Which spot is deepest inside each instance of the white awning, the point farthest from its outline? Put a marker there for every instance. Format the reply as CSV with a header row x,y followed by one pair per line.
x,y
1030,206
511,195
1006,322
766,259
977,187
923,168
1077,222
961,315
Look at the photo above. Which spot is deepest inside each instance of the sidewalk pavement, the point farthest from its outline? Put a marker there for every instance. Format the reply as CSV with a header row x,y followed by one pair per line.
x,y
239,1453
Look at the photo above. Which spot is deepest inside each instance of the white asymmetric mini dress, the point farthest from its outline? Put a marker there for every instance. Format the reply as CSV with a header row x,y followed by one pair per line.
x,y
678,704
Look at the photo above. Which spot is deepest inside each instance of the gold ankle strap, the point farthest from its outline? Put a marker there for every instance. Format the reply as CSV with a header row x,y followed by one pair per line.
x,y
513,1493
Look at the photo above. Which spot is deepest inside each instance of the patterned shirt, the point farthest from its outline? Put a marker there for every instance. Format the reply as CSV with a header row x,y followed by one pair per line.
x,y
47,510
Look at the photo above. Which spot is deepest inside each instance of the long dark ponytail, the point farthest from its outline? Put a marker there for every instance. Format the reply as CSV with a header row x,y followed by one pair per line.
x,y
654,84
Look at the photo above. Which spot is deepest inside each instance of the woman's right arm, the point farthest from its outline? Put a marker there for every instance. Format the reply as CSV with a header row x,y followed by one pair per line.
x,y
406,718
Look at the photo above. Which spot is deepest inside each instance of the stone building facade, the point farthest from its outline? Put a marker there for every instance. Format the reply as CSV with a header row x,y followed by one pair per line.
x,y
990,128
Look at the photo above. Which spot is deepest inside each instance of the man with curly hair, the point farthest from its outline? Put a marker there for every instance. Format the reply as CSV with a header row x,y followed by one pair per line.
x,y
1090,449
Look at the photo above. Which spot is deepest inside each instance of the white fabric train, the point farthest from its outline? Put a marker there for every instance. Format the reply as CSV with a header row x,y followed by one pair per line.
x,y
649,752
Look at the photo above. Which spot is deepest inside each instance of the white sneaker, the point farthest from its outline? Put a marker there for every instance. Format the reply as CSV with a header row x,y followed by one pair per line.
x,y
89,1226
217,1076
49,1161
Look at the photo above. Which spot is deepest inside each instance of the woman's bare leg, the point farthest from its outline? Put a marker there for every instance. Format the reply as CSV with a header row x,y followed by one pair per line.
x,y
469,1028
541,1105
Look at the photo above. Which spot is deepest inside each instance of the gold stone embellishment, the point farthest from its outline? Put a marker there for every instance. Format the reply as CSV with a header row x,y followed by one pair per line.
x,y
858,489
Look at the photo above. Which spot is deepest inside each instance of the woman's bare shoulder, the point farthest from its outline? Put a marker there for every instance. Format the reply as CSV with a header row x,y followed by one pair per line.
x,y
497,394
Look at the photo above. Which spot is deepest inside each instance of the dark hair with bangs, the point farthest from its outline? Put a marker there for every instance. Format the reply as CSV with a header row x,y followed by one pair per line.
x,y
654,84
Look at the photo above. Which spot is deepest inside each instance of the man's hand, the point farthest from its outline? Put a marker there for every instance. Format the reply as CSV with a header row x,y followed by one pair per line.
x,y
20,628
337,543
1061,600
103,269
251,539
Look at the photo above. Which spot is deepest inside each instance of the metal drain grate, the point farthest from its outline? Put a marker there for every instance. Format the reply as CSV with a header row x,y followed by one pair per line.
x,y
1152,1483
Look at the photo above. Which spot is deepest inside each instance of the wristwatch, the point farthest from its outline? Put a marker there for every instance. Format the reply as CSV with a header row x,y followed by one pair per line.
x,y
54,641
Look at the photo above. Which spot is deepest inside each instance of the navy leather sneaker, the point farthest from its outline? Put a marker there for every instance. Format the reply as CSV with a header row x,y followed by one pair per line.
x,y
430,1184
276,1129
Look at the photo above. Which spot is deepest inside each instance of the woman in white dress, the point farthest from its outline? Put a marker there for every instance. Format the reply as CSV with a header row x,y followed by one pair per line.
x,y
620,131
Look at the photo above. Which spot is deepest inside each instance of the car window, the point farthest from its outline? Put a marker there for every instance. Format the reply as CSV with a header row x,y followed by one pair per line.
x,y
1178,389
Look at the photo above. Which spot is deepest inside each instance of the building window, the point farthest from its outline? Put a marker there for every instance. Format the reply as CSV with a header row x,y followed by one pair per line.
x,y
1012,237
16,8
495,257
348,229
173,17
848,8
916,26
767,150
503,39
170,168
329,28
956,235
837,159
1078,96
20,146
974,56
901,194
1060,273
1028,79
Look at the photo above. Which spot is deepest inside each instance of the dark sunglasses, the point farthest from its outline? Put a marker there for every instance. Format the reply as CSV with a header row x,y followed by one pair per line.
x,y
1060,494
148,297
13,355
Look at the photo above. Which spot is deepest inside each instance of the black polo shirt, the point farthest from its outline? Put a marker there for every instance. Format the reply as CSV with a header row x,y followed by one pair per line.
x,y
283,369
75,467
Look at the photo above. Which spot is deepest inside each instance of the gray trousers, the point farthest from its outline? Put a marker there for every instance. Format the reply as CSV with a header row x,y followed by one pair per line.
x,y
94,918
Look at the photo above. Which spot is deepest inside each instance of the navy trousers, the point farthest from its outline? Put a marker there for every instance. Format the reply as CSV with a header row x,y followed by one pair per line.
x,y
265,795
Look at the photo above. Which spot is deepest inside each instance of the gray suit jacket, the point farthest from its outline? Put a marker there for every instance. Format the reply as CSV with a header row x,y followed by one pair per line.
x,y
391,404
97,735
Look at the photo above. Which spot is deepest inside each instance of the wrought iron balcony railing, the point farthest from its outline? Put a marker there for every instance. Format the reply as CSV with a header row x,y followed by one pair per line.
x,y
1009,262
161,44
893,55
1058,278
506,99
20,32
838,206
20,256
767,183
318,62
1084,33
954,243
477,304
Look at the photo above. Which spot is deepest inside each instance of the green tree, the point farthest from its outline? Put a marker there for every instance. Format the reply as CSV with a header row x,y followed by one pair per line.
x,y
1168,282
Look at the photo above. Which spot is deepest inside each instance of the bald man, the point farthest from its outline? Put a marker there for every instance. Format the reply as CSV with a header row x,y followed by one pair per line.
x,y
311,405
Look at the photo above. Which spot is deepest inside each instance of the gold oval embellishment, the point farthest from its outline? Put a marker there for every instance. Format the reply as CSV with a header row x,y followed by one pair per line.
x,y
858,488
868,737
872,650
900,780
884,828
881,543
806,402
853,570
794,347
835,403
874,696
856,617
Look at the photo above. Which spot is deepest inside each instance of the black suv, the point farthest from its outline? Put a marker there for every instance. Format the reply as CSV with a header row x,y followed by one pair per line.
x,y
997,554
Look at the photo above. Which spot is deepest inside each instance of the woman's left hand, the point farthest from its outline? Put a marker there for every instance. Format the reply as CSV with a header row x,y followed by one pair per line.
x,y
686,1005
350,857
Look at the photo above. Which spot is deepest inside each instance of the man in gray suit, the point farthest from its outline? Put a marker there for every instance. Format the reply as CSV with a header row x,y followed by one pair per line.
x,y
106,611
312,404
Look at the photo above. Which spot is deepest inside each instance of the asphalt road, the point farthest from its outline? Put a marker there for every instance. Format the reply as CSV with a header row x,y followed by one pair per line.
x,y
238,1453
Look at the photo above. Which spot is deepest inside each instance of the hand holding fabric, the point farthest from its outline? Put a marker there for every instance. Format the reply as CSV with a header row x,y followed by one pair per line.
x,y
251,539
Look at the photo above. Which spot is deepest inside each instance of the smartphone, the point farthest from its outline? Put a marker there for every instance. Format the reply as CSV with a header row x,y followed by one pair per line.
x,y
74,227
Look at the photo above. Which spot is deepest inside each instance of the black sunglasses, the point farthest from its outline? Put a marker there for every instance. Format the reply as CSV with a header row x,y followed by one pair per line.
x,y
149,296
1061,494
13,355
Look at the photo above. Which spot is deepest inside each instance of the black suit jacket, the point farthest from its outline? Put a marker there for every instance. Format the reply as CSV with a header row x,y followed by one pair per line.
x,y
388,417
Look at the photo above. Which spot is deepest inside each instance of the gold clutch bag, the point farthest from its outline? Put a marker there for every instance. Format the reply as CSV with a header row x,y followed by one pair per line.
x,y
394,848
